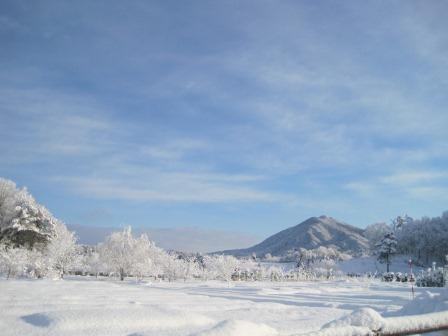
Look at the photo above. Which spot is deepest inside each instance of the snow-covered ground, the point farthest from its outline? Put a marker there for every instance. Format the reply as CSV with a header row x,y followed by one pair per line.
x,y
371,264
83,306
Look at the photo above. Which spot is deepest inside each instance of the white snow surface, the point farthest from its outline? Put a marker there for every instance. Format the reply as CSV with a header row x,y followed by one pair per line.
x,y
364,317
238,327
428,310
86,306
370,264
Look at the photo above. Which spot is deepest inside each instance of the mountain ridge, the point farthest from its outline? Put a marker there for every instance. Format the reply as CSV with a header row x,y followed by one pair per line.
x,y
311,233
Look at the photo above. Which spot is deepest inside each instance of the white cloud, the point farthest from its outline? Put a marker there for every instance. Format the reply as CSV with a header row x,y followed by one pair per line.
x,y
174,150
423,184
173,187
438,193
118,163
424,29
44,124
414,177
363,188
263,109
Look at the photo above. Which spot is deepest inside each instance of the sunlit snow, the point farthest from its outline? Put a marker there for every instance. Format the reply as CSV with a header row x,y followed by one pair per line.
x,y
85,306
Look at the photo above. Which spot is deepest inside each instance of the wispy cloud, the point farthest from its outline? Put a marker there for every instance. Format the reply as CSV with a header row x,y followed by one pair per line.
x,y
267,103
44,124
59,125
423,184
172,187
428,193
413,177
174,150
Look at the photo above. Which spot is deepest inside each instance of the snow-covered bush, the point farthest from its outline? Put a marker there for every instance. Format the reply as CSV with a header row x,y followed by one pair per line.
x,y
397,277
13,261
431,278
22,262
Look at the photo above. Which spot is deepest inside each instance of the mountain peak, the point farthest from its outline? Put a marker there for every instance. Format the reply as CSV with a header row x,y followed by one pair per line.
x,y
311,233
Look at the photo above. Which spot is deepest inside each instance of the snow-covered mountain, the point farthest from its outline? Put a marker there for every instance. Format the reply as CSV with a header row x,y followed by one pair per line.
x,y
312,233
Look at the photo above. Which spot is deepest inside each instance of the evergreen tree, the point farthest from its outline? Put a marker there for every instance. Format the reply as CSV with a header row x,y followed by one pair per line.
x,y
386,248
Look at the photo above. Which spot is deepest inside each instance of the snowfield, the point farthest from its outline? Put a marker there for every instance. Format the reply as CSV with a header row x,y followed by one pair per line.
x,y
86,306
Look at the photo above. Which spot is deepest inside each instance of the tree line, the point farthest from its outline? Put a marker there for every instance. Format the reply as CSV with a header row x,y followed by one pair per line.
x,y
423,240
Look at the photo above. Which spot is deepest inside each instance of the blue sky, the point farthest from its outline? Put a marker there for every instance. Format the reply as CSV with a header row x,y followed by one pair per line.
x,y
248,116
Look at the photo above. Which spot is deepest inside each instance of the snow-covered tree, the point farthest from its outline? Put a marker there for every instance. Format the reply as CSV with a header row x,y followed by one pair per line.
x,y
13,260
125,254
173,267
386,248
158,260
189,266
93,263
221,266
400,222
33,238
320,262
141,256
424,239
375,232
62,251
23,222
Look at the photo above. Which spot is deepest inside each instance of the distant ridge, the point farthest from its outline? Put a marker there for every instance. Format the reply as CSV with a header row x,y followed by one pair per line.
x,y
312,233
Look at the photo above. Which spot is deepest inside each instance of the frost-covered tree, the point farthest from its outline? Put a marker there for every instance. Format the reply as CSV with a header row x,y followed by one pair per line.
x,y
423,239
62,251
307,258
58,256
23,222
173,267
13,260
320,262
386,248
400,222
16,261
93,263
221,266
33,238
375,232
125,254
141,255
158,258
189,266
